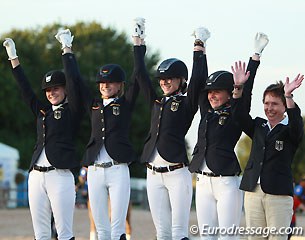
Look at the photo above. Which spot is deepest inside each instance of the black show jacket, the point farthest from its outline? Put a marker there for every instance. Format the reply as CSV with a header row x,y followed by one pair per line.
x,y
170,120
272,152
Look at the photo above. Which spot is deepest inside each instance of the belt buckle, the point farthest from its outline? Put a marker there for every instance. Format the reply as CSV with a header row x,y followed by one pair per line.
x,y
151,167
153,170
104,164
107,164
43,169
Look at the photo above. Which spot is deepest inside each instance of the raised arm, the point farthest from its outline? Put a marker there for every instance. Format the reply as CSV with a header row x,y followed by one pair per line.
x,y
140,70
28,95
239,110
78,93
200,69
260,42
295,123
290,87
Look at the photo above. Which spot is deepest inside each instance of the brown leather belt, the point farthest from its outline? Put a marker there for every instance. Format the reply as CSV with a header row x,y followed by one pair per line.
x,y
165,169
43,169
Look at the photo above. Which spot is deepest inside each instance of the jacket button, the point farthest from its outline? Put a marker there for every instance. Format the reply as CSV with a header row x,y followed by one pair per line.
x,y
103,129
103,138
261,163
102,111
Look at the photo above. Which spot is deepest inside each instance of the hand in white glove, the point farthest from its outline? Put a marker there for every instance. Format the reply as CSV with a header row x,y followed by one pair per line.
x,y
260,42
139,28
65,38
202,34
10,48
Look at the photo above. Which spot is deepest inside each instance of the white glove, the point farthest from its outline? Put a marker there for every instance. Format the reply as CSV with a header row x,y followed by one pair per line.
x,y
10,48
202,34
139,28
260,42
65,38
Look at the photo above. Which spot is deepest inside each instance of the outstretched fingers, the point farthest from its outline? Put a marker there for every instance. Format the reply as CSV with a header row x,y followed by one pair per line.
x,y
291,86
239,72
298,80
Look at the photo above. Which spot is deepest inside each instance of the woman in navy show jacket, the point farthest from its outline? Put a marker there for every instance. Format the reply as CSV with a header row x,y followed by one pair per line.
x,y
267,180
169,183
51,183
218,198
109,150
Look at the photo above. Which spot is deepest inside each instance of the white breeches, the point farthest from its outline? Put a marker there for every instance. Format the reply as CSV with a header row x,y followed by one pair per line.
x,y
112,183
170,197
218,204
52,191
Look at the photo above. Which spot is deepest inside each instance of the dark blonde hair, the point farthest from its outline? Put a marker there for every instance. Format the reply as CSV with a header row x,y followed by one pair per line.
x,y
121,91
183,85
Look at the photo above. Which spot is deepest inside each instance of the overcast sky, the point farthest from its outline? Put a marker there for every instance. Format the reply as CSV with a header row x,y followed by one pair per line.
x,y
169,24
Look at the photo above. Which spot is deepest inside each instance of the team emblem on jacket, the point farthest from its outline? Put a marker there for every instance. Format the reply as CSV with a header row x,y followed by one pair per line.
x,y
174,106
116,110
57,114
222,120
279,145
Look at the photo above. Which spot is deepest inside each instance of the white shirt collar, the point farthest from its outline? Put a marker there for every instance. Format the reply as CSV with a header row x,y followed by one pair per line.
x,y
283,122
167,98
106,101
55,107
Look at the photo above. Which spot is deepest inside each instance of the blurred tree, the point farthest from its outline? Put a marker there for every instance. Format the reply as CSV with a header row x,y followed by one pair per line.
x,y
298,164
39,52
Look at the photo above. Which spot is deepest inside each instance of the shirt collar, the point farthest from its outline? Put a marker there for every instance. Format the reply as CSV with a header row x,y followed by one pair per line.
x,y
283,122
173,96
55,107
223,108
107,101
